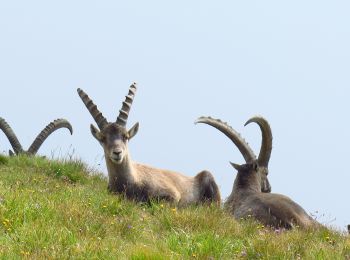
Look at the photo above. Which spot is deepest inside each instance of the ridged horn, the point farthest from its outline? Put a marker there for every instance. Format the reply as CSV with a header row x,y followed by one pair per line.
x,y
266,143
96,114
235,137
122,118
11,136
47,131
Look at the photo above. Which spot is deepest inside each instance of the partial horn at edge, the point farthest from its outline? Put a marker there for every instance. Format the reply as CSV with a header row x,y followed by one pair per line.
x,y
11,136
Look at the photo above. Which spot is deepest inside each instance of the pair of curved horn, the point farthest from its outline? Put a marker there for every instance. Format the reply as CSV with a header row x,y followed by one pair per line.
x,y
242,145
39,140
97,115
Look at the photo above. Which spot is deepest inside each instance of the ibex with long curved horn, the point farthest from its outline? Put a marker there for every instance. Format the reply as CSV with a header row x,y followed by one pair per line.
x,y
39,140
247,197
137,181
244,148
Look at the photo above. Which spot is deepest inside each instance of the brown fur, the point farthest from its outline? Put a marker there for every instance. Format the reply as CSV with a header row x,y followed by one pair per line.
x,y
142,182
275,210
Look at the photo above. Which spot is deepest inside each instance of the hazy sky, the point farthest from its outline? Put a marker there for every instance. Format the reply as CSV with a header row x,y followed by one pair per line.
x,y
286,60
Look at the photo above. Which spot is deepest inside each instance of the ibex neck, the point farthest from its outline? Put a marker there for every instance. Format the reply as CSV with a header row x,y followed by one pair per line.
x,y
120,175
243,187
240,192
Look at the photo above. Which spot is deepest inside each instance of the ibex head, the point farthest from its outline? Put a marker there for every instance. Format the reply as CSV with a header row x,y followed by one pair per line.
x,y
251,176
265,151
113,136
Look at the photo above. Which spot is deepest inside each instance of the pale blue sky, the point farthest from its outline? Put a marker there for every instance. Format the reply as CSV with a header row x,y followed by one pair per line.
x,y
288,61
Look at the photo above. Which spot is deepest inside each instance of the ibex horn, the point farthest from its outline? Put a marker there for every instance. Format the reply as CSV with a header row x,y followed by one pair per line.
x,y
266,143
47,131
96,114
235,137
16,146
124,111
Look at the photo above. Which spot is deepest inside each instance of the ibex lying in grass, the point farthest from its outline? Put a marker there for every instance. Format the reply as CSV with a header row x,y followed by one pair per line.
x,y
39,140
247,198
137,181
244,148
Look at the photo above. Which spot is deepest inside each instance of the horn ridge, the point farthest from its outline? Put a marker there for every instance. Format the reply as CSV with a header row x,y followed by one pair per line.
x,y
123,112
127,104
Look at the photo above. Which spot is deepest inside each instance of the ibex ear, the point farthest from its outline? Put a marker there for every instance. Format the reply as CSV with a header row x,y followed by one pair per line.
x,y
96,133
133,130
236,166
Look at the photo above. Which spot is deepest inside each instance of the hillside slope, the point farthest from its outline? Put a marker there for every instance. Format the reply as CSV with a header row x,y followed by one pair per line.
x,y
60,210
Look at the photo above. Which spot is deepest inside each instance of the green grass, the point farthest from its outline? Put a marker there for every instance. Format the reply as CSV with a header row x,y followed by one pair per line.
x,y
60,210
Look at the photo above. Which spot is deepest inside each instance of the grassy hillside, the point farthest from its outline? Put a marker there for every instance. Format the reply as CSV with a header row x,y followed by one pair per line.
x,y
58,210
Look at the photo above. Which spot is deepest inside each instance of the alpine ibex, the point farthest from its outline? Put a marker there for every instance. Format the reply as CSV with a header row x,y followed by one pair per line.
x,y
247,198
244,148
39,140
138,181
